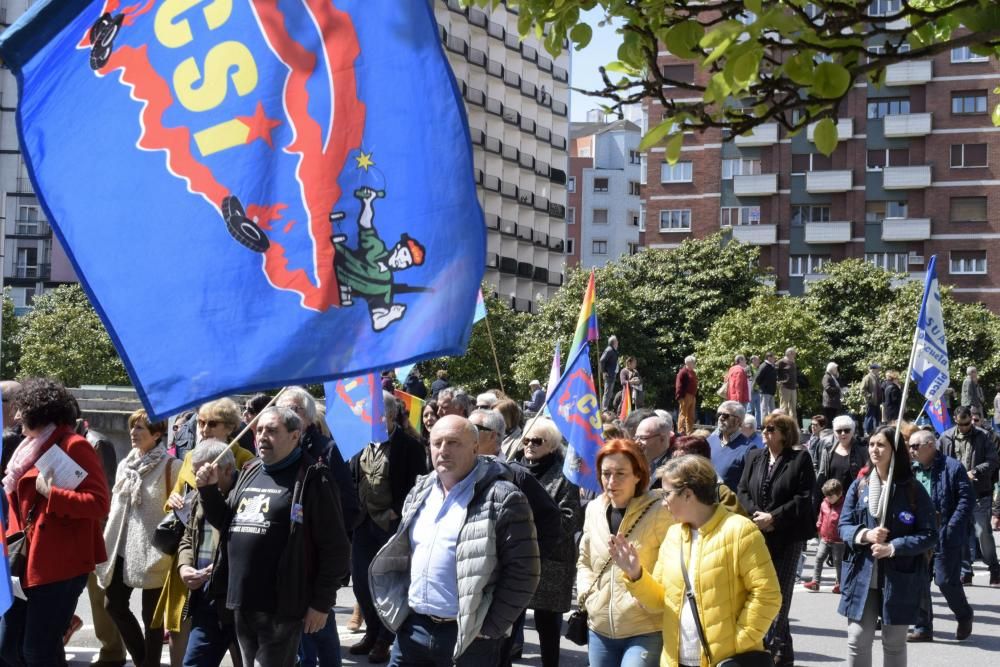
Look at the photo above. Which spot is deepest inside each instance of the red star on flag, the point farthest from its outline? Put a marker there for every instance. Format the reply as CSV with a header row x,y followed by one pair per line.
x,y
259,125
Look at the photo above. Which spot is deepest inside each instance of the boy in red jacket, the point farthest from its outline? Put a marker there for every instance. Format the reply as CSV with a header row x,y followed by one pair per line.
x,y
829,538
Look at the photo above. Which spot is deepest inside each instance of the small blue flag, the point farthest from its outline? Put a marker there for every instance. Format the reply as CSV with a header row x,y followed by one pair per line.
x,y
355,413
291,179
940,419
574,408
930,354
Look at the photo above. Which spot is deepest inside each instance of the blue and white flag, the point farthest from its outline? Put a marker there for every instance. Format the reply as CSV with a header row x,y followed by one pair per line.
x,y
255,193
355,413
930,354
576,412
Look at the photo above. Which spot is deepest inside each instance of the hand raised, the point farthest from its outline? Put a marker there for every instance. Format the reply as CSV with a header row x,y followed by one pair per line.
x,y
624,555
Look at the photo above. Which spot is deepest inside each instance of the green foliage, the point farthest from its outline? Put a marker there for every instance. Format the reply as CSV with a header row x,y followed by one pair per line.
x,y
768,322
64,338
476,370
659,303
11,346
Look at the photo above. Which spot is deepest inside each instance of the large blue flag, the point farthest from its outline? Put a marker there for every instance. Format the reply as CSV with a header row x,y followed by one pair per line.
x,y
355,413
576,411
253,193
930,355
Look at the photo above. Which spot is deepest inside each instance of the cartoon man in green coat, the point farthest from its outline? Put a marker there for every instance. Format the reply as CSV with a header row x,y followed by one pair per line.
x,y
367,271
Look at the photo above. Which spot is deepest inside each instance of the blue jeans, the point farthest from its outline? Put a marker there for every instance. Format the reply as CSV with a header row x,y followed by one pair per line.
x,y
321,648
31,631
421,642
954,595
638,651
873,417
981,534
210,638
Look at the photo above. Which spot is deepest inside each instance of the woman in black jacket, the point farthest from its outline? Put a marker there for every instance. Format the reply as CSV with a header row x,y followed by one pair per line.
x,y
776,491
893,397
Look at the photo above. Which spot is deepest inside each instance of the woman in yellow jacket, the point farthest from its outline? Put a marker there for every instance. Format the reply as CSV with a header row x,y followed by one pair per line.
x,y
622,632
735,585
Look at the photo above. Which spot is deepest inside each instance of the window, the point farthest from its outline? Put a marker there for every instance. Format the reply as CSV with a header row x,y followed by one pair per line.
x,y
888,157
740,215
740,167
803,162
896,262
633,217
633,188
633,157
968,209
27,263
683,73
569,246
570,215
800,265
571,184
967,261
884,7
600,216
877,211
600,185
969,101
677,219
890,106
964,54
585,151
599,247
642,220
804,214
676,173
968,155
633,248
642,169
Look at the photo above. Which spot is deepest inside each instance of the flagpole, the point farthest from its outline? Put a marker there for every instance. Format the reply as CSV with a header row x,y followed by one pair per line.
x,y
489,334
249,426
899,421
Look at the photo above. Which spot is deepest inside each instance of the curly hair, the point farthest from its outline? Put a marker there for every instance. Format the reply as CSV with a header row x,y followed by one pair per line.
x,y
43,401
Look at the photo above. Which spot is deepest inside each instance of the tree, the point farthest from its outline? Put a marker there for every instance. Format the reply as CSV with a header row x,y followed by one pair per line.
x,y
476,370
11,346
791,62
63,337
659,303
768,322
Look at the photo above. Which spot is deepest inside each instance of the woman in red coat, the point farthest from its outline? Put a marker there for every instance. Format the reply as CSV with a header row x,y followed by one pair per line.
x,y
63,525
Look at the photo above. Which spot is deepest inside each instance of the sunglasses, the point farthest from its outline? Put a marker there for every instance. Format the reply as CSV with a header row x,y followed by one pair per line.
x,y
842,430
726,415
210,423
533,441
914,448
481,428
770,429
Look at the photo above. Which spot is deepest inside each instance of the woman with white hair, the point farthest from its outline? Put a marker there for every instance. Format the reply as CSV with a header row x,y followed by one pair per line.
x,y
833,402
841,457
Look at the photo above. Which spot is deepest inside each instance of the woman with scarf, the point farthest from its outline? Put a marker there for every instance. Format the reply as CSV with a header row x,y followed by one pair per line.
x,y
63,525
144,480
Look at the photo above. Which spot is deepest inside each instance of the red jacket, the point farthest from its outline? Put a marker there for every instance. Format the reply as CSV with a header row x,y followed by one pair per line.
x,y
686,383
739,387
829,516
65,539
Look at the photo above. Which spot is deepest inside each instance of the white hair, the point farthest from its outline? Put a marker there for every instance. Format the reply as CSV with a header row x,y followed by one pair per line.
x,y
209,450
391,408
492,420
300,397
546,428
831,367
690,359
488,398
842,422
750,420
666,417
970,370
734,407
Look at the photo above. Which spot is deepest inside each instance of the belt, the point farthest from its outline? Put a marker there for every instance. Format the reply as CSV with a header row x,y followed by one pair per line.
x,y
440,619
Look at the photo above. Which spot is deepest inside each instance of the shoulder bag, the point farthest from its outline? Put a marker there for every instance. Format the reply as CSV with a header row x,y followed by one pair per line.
x,y
577,630
168,533
17,546
747,659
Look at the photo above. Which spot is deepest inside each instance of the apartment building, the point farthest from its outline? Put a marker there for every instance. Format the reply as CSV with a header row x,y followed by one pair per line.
x,y
517,99
916,173
602,217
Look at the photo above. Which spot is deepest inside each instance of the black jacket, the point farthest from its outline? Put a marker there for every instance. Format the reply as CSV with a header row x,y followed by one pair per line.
x,y
985,459
415,386
323,449
767,379
892,401
546,512
407,461
437,386
316,557
609,362
790,500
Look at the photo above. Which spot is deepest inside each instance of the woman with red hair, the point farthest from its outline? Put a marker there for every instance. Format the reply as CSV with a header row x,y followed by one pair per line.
x,y
622,632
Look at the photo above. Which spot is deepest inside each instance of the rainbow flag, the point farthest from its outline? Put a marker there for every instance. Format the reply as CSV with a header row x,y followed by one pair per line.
x,y
586,324
626,408
414,407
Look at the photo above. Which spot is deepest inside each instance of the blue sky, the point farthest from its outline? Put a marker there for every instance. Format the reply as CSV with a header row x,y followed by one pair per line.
x,y
601,50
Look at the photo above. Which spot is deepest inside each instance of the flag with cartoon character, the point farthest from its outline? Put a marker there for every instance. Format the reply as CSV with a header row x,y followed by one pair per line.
x,y
253,193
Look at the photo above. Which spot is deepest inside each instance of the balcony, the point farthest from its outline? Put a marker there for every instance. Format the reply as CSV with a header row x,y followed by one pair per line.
x,y
919,277
756,234
37,272
906,178
845,129
821,182
828,232
913,73
811,278
755,185
762,135
906,229
31,229
904,125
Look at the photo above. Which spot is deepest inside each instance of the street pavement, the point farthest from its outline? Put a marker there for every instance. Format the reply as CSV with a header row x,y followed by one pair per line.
x,y
819,632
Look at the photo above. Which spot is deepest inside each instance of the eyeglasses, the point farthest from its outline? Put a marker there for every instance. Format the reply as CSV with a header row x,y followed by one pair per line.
x,y
669,492
842,430
481,428
814,425
535,442
483,407
914,448
209,423
646,438
770,429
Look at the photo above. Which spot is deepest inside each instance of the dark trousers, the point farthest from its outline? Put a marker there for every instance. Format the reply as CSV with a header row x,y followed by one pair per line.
x,y
31,631
954,595
511,644
831,414
321,648
210,638
142,642
368,539
873,417
779,638
267,639
548,624
422,642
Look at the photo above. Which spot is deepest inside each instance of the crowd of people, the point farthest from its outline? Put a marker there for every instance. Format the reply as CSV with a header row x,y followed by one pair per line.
x,y
238,524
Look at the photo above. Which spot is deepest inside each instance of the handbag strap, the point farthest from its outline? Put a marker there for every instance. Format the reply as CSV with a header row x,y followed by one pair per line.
x,y
607,562
689,594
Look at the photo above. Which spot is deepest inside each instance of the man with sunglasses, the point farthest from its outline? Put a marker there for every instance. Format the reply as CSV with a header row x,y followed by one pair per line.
x,y
729,445
947,482
974,449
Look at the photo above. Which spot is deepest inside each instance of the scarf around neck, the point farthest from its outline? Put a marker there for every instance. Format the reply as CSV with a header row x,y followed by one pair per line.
x,y
136,466
25,456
